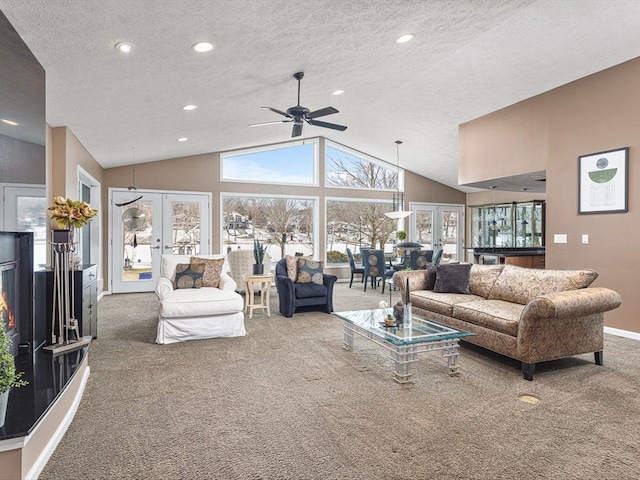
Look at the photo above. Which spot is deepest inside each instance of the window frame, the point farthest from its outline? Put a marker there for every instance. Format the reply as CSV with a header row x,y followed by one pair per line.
x,y
278,146
356,153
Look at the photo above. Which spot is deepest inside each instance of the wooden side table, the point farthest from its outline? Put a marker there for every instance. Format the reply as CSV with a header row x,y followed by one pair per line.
x,y
264,284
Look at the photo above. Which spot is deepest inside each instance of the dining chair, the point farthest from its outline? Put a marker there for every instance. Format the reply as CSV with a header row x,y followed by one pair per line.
x,y
354,270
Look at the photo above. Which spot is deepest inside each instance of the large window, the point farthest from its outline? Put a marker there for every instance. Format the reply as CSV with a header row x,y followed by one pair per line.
x,y
294,163
357,223
285,224
350,169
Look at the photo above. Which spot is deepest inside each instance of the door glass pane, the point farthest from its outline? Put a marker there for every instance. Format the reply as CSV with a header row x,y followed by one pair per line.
x,y
450,222
424,228
185,236
137,239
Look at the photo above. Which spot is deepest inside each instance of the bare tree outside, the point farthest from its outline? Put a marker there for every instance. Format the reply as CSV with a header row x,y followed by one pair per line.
x,y
284,223
358,223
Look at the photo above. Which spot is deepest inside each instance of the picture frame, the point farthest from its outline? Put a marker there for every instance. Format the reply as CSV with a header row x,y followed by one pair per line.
x,y
603,182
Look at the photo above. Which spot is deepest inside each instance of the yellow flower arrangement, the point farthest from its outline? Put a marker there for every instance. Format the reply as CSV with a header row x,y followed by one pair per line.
x,y
67,212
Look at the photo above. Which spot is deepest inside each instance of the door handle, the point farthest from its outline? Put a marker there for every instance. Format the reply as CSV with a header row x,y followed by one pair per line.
x,y
167,247
156,248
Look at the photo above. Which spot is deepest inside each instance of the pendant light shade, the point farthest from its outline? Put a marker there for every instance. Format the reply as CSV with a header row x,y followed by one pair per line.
x,y
398,212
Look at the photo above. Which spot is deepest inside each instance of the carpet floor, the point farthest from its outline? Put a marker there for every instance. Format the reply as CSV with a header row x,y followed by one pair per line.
x,y
287,402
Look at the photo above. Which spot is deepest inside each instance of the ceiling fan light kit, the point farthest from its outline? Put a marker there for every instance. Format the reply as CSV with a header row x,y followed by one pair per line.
x,y
298,115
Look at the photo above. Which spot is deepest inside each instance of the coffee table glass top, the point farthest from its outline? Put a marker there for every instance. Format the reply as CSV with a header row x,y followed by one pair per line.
x,y
421,331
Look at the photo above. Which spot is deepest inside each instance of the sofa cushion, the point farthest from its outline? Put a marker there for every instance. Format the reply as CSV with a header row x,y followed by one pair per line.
x,y
441,303
205,301
212,270
308,290
309,271
520,285
483,278
452,278
189,275
495,315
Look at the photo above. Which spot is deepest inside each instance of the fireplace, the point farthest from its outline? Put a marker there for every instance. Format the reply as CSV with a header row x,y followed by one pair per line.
x,y
16,289
8,301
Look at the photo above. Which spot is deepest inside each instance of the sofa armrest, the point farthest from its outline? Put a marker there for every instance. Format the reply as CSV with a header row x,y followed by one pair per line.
x,y
572,303
417,281
286,295
562,324
227,283
163,287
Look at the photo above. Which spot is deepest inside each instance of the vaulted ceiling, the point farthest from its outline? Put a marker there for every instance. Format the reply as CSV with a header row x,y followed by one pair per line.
x,y
468,58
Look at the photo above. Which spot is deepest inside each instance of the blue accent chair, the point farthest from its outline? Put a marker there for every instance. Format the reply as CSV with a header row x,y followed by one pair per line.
x,y
354,270
374,267
304,296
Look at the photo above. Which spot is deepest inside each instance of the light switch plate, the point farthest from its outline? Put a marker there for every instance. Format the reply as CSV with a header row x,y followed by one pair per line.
x,y
559,238
585,239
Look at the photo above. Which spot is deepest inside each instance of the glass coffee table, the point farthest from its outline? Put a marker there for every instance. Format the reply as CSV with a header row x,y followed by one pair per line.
x,y
404,343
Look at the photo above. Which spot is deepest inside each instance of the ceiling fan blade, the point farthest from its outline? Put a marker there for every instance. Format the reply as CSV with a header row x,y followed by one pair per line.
x,y
322,112
297,130
333,126
269,123
279,112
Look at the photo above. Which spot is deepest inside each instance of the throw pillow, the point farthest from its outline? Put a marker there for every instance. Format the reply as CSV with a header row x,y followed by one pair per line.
x,y
431,276
309,271
212,270
189,275
292,267
452,278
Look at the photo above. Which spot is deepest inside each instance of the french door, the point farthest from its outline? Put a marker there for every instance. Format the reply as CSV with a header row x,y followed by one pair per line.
x,y
147,224
439,226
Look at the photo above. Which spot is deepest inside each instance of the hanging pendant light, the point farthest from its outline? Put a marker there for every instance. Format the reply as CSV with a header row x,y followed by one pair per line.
x,y
398,197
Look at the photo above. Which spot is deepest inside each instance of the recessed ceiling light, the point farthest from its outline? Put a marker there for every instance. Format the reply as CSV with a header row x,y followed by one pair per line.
x,y
202,47
405,38
124,47
189,107
183,139
338,92
9,122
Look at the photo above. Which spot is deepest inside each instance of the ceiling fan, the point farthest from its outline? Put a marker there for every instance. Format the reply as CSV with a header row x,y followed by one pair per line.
x,y
299,114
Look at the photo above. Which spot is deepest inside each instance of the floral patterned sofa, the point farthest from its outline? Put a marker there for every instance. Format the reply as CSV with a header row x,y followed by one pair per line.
x,y
527,314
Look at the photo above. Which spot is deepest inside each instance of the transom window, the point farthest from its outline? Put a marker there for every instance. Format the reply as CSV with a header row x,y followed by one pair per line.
x,y
294,163
348,168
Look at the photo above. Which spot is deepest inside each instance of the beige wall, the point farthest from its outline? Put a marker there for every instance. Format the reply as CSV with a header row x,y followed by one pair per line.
x,y
67,154
599,112
201,173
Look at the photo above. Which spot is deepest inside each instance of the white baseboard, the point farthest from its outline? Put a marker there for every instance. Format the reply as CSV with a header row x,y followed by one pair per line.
x,y
622,333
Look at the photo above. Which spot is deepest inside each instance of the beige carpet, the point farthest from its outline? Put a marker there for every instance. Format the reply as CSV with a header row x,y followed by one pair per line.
x,y
287,402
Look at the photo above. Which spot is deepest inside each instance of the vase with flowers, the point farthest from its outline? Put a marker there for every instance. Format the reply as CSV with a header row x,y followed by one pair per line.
x,y
68,215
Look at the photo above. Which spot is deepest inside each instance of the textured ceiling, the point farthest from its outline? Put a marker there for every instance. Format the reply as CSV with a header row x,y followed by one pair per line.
x,y
468,58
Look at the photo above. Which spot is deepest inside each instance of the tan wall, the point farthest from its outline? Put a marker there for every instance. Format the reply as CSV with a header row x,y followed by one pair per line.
x,y
599,112
201,173
67,154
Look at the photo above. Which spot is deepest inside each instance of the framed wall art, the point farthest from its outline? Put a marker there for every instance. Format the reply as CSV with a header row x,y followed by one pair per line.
x,y
603,182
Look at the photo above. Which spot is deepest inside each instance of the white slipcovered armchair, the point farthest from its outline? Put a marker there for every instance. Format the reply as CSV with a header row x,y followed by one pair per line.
x,y
197,313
